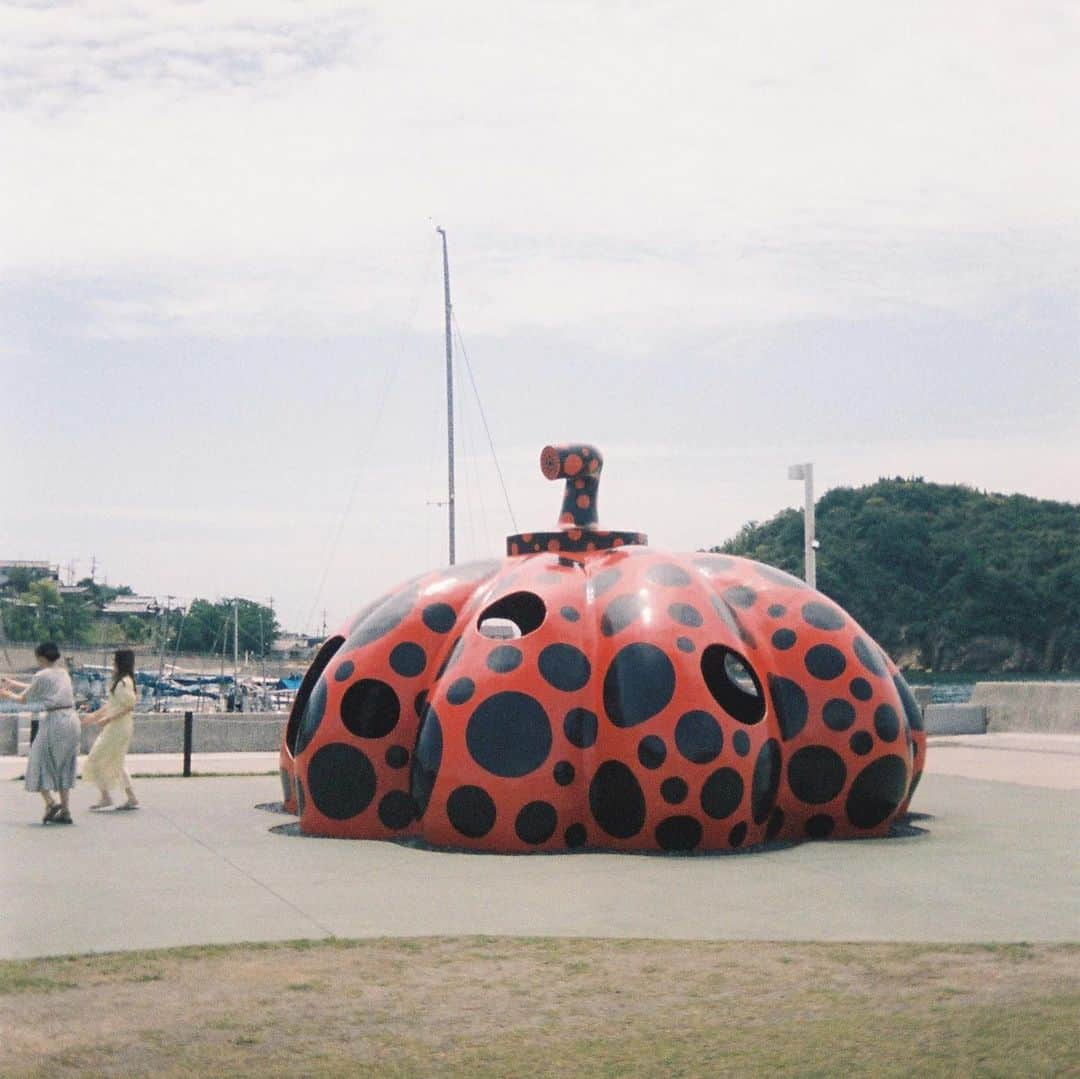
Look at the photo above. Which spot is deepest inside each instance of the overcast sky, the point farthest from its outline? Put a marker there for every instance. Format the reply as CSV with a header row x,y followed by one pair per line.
x,y
712,238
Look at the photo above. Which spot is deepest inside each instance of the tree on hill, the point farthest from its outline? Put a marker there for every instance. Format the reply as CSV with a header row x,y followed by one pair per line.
x,y
945,577
41,613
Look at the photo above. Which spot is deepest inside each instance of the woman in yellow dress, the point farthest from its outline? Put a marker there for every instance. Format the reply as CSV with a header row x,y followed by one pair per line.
x,y
105,765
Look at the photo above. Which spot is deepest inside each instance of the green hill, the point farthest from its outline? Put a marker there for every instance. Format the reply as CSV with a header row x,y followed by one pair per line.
x,y
945,577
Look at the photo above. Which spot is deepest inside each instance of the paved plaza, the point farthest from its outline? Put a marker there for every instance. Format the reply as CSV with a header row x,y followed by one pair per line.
x,y
994,860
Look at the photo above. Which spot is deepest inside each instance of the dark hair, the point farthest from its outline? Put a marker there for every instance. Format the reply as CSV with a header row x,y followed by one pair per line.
x,y
124,659
47,650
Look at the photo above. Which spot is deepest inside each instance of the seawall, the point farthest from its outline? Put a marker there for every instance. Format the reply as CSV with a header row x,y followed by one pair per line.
x,y
1049,707
163,732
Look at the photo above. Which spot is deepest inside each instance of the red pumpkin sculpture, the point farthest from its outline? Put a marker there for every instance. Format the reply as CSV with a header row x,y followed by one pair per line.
x,y
590,692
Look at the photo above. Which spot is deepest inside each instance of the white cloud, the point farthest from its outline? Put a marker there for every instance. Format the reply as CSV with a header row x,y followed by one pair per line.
x,y
678,164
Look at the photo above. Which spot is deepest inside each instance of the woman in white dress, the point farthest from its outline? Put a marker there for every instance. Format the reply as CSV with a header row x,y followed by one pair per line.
x,y
54,753
105,765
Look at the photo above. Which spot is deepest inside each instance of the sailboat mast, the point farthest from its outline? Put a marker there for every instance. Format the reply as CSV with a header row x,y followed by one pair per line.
x,y
449,396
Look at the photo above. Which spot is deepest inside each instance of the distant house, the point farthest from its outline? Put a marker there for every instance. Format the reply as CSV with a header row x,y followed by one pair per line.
x,y
126,606
293,645
34,571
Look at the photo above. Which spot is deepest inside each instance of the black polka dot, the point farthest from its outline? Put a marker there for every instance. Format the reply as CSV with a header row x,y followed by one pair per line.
x,y
819,826
740,741
911,706
778,576
686,614
427,759
868,656
397,756
439,617
825,662
370,708
340,781
509,734
737,834
580,727
461,690
886,723
621,612
721,793
838,714
740,596
784,639
564,667
397,809
651,751
571,614
678,833
674,790
536,822
575,836
792,707
776,822
420,703
471,811
639,683
698,737
604,580
822,616
616,800
776,610
877,791
563,773
816,774
387,616
344,671
504,658
861,689
713,564
312,716
723,612
766,780
684,644
671,576
861,743
408,659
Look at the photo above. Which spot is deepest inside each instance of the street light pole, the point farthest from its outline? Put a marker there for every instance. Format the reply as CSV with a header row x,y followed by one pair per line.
x,y
805,472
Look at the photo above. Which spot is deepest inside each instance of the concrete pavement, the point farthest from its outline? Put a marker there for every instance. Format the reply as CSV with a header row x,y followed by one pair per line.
x,y
199,864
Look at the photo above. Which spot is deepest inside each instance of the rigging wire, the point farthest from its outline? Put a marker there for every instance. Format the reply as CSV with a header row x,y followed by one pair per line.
x,y
472,458
483,417
479,485
388,380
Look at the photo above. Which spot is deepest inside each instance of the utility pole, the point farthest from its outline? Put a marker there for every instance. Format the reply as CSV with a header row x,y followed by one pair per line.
x,y
161,653
449,393
805,472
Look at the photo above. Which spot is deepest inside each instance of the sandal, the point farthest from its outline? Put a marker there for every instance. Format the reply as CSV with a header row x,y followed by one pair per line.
x,y
51,812
98,806
63,817
127,805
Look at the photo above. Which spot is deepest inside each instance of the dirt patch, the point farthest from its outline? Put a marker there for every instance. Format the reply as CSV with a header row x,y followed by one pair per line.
x,y
545,1007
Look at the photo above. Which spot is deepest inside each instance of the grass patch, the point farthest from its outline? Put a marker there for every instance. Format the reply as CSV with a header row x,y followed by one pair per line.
x,y
488,1007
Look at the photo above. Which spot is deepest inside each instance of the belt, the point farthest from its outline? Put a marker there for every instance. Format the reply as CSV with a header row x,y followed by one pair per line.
x,y
60,708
